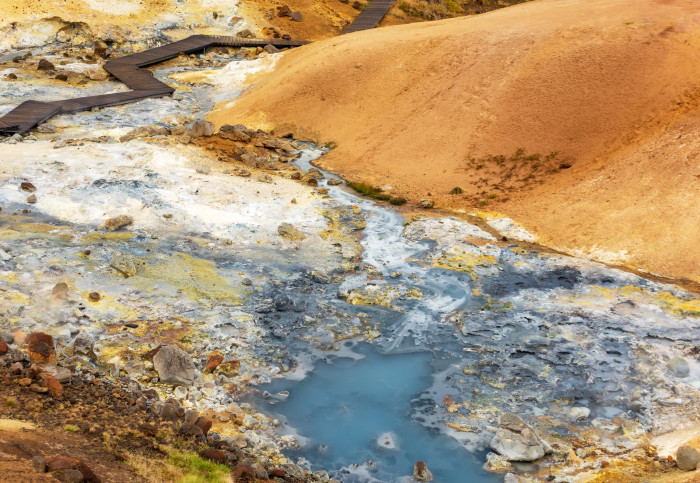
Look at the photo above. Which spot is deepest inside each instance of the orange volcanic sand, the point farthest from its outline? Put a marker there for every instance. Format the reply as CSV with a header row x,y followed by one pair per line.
x,y
613,86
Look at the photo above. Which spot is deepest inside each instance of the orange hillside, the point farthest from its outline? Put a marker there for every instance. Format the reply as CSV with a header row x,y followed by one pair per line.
x,y
601,95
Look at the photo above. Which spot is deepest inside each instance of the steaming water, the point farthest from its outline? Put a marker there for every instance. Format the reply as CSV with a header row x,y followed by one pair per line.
x,y
349,408
357,410
517,332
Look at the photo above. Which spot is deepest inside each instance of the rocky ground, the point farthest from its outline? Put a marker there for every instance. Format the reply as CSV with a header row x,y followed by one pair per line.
x,y
157,272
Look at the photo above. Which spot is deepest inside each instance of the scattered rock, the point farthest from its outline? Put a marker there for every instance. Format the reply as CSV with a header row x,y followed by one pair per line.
x,y
284,11
45,65
191,416
679,367
246,34
58,463
60,291
51,383
6,336
3,348
517,441
126,264
82,344
687,458
39,463
145,132
201,128
334,182
27,186
62,374
113,224
192,430
293,471
579,413
214,359
271,49
287,230
229,368
94,296
41,348
421,472
427,204
61,77
174,366
11,76
169,412
31,199
215,455
204,424
296,16
236,133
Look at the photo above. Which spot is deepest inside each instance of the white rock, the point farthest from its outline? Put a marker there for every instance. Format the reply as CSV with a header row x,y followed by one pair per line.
x,y
579,413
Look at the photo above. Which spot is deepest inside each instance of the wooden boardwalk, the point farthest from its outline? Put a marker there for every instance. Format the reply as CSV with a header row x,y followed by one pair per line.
x,y
127,69
370,17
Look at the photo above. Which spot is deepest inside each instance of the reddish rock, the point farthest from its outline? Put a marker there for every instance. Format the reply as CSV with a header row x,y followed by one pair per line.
x,y
204,424
41,348
245,472
215,455
192,430
27,186
3,348
24,382
51,383
295,175
58,463
150,354
312,182
214,359
151,394
277,473
230,368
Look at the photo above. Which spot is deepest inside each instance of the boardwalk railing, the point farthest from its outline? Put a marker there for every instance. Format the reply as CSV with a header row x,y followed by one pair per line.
x,y
127,69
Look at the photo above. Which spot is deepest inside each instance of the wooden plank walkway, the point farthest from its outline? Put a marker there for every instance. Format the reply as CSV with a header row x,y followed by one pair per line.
x,y
127,69
370,17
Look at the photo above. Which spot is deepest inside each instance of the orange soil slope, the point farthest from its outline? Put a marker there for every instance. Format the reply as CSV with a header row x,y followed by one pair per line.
x,y
613,86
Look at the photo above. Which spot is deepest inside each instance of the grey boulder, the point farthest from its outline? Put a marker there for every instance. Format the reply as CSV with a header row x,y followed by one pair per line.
x,y
174,366
517,441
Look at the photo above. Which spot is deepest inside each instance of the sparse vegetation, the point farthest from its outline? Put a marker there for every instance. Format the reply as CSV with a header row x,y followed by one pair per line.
x,y
375,193
70,427
183,466
10,402
492,177
437,9
456,191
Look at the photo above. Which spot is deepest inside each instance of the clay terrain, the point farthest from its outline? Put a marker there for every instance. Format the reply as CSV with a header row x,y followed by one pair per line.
x,y
577,119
